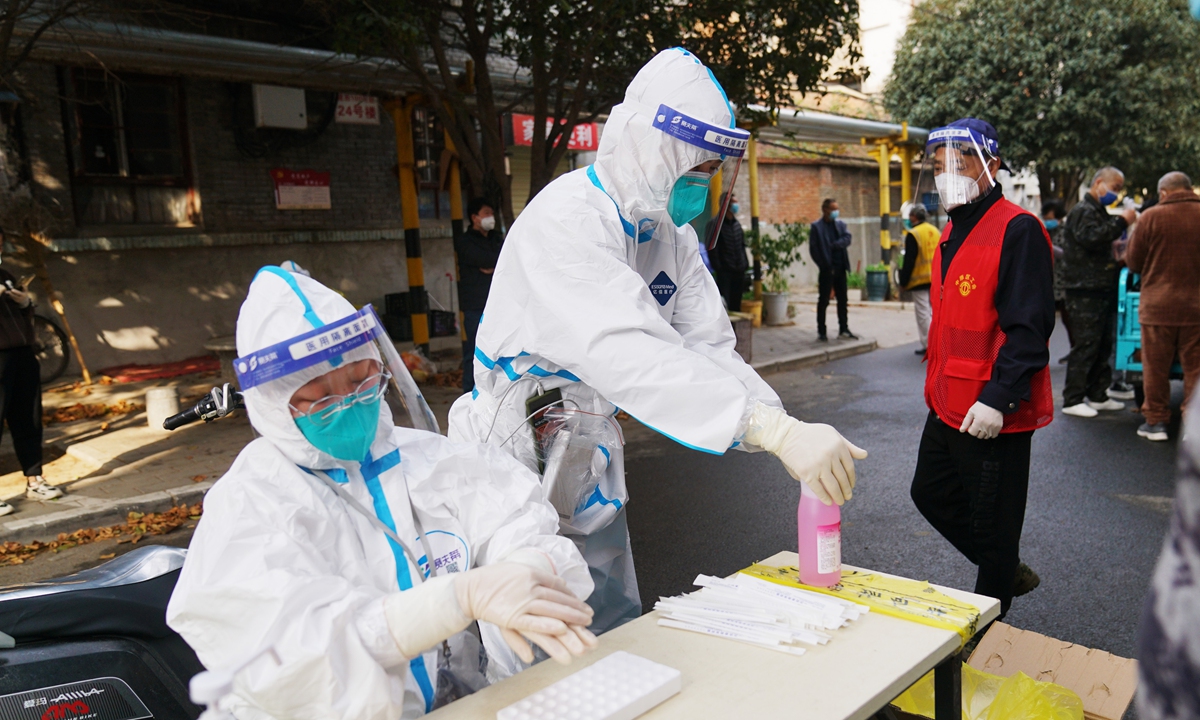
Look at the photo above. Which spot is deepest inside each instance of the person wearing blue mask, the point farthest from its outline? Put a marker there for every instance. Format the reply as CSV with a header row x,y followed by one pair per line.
x,y
729,258
600,302
356,541
1089,278
828,240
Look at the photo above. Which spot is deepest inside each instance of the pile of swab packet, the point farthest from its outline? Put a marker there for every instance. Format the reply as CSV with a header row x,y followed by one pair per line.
x,y
755,611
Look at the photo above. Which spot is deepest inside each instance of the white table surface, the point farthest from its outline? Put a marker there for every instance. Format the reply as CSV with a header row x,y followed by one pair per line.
x,y
866,665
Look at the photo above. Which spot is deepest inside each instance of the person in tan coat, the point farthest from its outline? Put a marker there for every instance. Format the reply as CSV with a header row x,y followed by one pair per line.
x,y
1165,249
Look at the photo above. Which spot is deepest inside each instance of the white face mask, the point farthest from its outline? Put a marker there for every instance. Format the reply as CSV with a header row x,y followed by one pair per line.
x,y
488,223
955,190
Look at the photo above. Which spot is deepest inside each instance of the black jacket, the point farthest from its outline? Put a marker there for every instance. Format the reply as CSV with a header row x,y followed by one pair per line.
x,y
730,254
827,243
476,252
1024,299
1087,238
16,322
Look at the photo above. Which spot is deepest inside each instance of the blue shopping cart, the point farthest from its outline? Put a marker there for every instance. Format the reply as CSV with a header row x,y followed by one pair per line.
x,y
1129,334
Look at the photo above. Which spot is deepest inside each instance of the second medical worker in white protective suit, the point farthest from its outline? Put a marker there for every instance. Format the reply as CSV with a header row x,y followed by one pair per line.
x,y
354,547
600,296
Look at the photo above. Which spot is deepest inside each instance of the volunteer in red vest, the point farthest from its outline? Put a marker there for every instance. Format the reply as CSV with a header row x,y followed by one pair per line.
x,y
987,384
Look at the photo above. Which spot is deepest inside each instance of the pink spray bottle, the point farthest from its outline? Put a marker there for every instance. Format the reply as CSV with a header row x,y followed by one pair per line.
x,y
820,530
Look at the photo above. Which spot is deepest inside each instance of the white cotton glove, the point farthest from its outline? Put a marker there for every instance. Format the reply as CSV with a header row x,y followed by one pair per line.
x,y
813,453
983,421
525,601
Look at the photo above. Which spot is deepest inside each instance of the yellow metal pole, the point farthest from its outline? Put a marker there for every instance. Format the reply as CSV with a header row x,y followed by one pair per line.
x,y
885,193
456,224
753,152
906,155
714,198
418,301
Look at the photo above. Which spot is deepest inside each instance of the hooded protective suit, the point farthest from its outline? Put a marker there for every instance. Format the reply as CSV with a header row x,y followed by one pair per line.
x,y
279,559
599,294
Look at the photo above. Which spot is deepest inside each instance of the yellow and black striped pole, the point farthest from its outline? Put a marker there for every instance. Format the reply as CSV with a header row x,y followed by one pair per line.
x,y
753,160
456,225
418,301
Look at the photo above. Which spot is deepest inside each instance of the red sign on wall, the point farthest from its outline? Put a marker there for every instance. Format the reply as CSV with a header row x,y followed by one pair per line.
x,y
301,189
584,138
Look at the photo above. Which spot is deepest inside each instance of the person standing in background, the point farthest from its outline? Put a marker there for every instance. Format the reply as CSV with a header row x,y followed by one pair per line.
x,y
21,388
828,239
1052,216
1089,278
920,243
478,250
729,258
1165,249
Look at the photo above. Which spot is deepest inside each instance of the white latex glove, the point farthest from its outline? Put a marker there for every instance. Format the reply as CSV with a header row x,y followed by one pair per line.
x,y
522,600
813,453
983,421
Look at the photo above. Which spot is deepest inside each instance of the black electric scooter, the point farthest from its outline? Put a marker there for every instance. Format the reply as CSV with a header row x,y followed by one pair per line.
x,y
96,644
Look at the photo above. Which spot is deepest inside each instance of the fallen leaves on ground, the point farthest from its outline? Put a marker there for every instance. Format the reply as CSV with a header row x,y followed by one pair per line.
x,y
137,526
199,478
447,379
82,411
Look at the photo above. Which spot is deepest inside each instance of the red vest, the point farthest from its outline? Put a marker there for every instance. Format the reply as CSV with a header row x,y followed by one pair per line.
x,y
965,335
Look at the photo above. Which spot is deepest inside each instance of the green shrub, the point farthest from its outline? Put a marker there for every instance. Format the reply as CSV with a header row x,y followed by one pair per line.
x,y
778,253
877,267
855,280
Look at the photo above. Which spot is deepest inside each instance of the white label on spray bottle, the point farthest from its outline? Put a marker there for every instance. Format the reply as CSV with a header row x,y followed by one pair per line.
x,y
829,548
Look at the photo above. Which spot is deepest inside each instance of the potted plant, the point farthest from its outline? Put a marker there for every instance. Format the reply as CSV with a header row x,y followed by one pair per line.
x,y
877,282
777,253
854,286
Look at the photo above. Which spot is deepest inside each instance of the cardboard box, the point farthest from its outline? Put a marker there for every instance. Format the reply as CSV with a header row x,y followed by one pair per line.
x,y
1103,681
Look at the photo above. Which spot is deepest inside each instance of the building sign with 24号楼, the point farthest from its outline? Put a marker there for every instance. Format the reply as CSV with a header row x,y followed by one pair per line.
x,y
301,189
357,109
584,138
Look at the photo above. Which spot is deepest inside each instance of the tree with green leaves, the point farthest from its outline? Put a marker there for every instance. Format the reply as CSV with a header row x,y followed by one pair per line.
x,y
1070,85
573,59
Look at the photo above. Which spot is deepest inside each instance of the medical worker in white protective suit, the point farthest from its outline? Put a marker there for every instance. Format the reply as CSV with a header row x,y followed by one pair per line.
x,y
318,540
600,302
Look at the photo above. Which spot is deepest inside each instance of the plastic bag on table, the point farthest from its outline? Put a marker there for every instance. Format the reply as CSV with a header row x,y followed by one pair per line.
x,y
991,697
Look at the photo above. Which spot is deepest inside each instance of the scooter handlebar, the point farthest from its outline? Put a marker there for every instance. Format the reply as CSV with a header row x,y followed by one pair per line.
x,y
186,417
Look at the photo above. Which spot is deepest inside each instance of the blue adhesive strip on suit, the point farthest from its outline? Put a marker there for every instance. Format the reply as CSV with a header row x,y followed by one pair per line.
x,y
723,141
943,135
371,469
327,342
505,364
309,314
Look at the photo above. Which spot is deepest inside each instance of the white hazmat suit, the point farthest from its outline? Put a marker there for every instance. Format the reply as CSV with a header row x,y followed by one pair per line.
x,y
279,559
599,294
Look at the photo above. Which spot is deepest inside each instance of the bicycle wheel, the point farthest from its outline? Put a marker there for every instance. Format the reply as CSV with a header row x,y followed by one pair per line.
x,y
50,346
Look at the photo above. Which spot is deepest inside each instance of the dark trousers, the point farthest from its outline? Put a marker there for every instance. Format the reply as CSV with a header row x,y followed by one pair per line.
x,y
835,280
731,285
471,320
1093,316
21,405
973,492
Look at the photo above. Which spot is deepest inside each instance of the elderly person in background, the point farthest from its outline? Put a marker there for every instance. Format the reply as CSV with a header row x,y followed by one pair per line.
x,y
920,244
729,257
1165,249
1089,277
828,240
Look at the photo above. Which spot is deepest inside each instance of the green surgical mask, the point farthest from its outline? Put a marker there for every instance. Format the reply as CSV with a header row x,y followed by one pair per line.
x,y
688,197
348,434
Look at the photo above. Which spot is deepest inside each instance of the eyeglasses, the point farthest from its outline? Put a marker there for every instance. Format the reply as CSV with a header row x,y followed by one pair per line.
x,y
322,412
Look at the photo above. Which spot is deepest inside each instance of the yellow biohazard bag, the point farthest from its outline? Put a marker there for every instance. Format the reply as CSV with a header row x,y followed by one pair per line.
x,y
897,597
991,697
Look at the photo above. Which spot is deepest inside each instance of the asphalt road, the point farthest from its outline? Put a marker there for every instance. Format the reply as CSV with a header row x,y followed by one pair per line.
x,y
1097,512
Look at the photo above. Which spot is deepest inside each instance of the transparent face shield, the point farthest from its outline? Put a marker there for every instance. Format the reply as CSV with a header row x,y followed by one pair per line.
x,y
960,166
338,369
697,190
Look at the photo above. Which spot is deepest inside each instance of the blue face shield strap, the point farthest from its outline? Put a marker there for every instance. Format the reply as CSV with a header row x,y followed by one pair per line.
x,y
726,142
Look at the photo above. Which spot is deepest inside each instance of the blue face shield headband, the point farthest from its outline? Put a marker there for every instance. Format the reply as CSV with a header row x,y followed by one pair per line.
x,y
690,194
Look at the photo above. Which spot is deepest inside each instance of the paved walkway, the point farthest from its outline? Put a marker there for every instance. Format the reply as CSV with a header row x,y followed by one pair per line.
x,y
112,465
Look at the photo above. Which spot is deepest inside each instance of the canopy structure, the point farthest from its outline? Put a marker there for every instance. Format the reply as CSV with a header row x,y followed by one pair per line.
x,y
889,140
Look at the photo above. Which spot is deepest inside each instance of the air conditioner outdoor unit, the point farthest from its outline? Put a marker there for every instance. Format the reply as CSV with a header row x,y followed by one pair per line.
x,y
279,107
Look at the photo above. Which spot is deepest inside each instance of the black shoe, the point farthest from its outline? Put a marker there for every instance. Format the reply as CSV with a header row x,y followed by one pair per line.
x,y
1026,581
1063,360
1121,390
822,337
847,335
920,351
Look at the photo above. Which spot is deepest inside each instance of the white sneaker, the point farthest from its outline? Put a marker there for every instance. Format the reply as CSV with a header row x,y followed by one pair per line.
x,y
1122,394
1109,404
5,508
1084,410
39,489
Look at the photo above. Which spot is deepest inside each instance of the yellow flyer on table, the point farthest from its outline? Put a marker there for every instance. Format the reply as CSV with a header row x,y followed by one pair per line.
x,y
906,599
